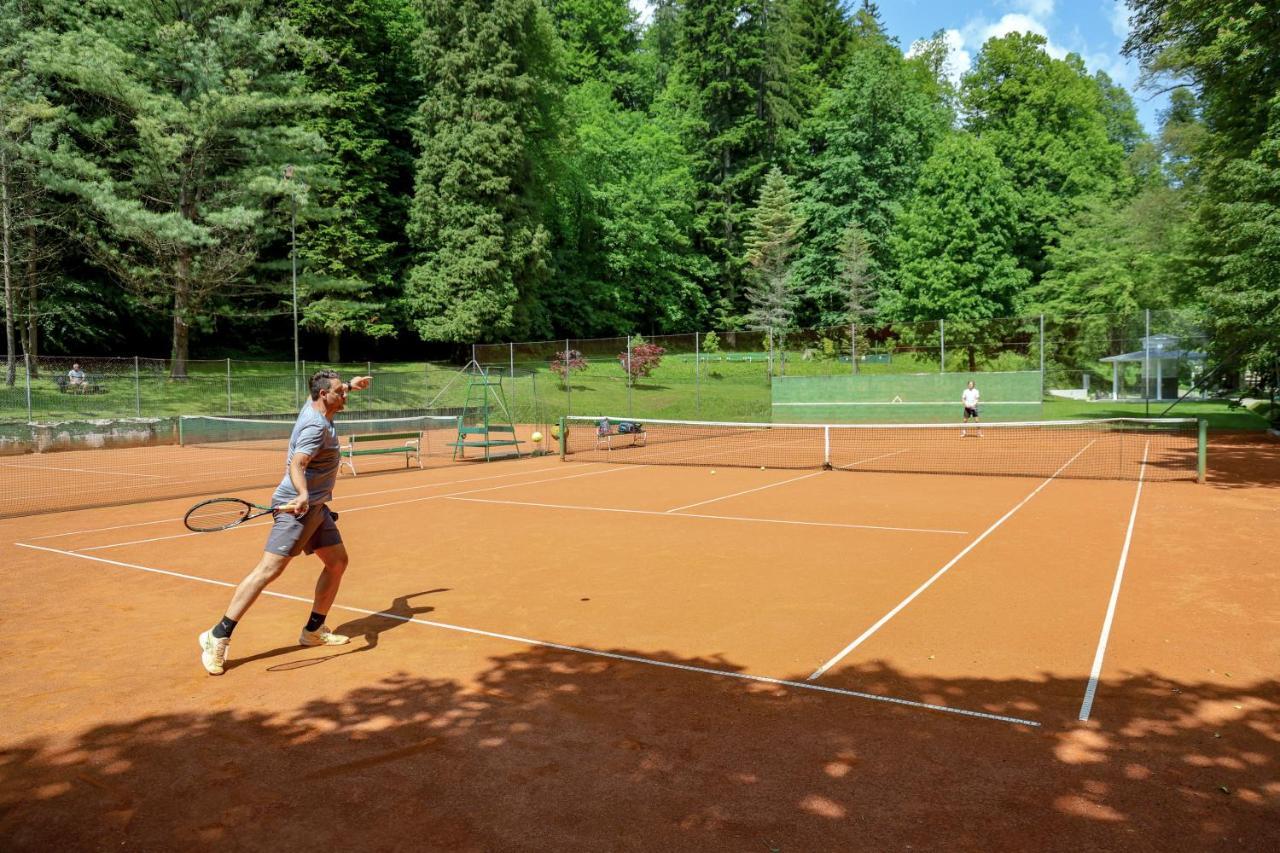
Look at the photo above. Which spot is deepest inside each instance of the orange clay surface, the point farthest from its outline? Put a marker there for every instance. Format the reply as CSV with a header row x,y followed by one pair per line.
x,y
572,656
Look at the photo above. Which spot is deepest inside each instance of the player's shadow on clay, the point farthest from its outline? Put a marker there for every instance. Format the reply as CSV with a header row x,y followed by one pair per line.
x,y
367,628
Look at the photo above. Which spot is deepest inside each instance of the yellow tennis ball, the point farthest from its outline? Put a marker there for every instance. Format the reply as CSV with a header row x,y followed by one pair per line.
x,y
713,470
537,436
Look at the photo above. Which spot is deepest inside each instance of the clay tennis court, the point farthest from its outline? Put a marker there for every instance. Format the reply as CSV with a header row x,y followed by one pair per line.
x,y
582,655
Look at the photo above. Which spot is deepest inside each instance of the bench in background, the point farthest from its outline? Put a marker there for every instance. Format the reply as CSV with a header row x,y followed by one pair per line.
x,y
411,446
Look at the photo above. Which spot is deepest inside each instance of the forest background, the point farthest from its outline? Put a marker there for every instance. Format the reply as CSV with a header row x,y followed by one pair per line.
x,y
462,171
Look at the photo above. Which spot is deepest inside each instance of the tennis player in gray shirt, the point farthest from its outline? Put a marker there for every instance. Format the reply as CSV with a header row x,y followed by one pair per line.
x,y
303,522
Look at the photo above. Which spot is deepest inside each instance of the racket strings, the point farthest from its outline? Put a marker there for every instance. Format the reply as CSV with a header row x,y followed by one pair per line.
x,y
217,515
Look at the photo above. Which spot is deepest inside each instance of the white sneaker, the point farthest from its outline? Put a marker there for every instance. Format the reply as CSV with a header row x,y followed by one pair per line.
x,y
213,652
322,637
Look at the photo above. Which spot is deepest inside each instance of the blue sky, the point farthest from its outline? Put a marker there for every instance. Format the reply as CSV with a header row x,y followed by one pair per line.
x,y
1095,29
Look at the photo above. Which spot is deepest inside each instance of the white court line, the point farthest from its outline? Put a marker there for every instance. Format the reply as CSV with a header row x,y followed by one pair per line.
x,y
79,470
942,571
747,491
344,510
874,458
1087,706
582,650
344,497
716,517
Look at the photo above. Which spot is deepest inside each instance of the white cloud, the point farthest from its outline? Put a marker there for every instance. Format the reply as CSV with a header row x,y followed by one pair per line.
x,y
1119,19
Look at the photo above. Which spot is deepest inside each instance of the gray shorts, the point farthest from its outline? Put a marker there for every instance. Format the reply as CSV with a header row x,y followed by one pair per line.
x,y
291,535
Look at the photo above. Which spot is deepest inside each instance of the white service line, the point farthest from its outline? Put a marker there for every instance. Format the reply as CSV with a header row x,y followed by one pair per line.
x,y
873,458
344,510
344,497
717,517
582,650
818,673
748,491
80,470
1087,706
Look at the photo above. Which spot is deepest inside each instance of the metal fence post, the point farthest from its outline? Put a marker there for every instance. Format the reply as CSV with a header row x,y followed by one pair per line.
x,y
137,388
27,359
228,386
942,346
628,376
1146,365
1041,356
568,386
697,374
853,348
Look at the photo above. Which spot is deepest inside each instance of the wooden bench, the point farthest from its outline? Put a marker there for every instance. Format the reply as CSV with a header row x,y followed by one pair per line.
x,y
639,438
460,446
411,447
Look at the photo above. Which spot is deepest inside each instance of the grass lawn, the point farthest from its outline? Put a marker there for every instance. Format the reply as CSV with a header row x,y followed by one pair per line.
x,y
726,387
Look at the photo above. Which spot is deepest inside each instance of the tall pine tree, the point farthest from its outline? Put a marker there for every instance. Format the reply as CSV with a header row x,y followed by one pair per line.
x,y
485,128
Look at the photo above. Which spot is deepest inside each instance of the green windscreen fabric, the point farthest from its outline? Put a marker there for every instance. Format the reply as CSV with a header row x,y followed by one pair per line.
x,y
904,397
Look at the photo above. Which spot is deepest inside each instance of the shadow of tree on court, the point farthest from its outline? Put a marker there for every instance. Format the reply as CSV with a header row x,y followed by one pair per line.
x,y
551,750
1243,460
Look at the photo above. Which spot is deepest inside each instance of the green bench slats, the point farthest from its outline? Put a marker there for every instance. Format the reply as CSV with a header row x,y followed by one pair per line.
x,y
412,446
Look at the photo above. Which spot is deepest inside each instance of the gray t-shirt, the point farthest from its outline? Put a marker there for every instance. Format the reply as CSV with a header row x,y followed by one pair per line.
x,y
315,435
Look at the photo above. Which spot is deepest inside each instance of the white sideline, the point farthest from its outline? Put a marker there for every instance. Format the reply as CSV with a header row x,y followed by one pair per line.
x,y
583,650
818,673
717,517
1087,706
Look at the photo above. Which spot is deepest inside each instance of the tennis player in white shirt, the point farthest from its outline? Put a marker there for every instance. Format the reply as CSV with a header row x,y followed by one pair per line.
x,y
970,397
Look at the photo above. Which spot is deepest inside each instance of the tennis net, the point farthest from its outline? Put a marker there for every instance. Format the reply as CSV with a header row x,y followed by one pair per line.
x,y
1106,448
270,434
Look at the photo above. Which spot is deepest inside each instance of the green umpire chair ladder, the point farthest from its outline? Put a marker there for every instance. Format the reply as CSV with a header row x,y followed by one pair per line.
x,y
481,426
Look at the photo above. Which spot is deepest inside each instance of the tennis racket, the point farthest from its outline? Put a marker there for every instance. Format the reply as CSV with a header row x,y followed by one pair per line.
x,y
222,514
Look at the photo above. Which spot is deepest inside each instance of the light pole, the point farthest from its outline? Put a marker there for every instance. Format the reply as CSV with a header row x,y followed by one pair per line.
x,y
293,260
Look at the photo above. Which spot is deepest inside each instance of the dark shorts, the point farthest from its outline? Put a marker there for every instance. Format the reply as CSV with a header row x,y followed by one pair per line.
x,y
970,413
291,535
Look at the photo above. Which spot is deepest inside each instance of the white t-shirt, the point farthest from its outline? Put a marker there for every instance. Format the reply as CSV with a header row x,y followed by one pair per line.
x,y
970,397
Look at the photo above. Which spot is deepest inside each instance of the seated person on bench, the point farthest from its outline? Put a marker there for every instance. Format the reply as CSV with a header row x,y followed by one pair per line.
x,y
76,380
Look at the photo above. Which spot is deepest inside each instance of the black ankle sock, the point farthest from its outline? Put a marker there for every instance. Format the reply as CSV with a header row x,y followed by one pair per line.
x,y
316,620
224,628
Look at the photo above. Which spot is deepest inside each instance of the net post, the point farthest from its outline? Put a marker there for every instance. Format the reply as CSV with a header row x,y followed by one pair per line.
x,y
228,386
1202,448
137,388
826,446
564,436
27,359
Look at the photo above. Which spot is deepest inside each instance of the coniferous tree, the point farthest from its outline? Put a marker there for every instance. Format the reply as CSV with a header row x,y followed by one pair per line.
x,y
737,92
485,128
770,248
865,145
351,234
182,117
